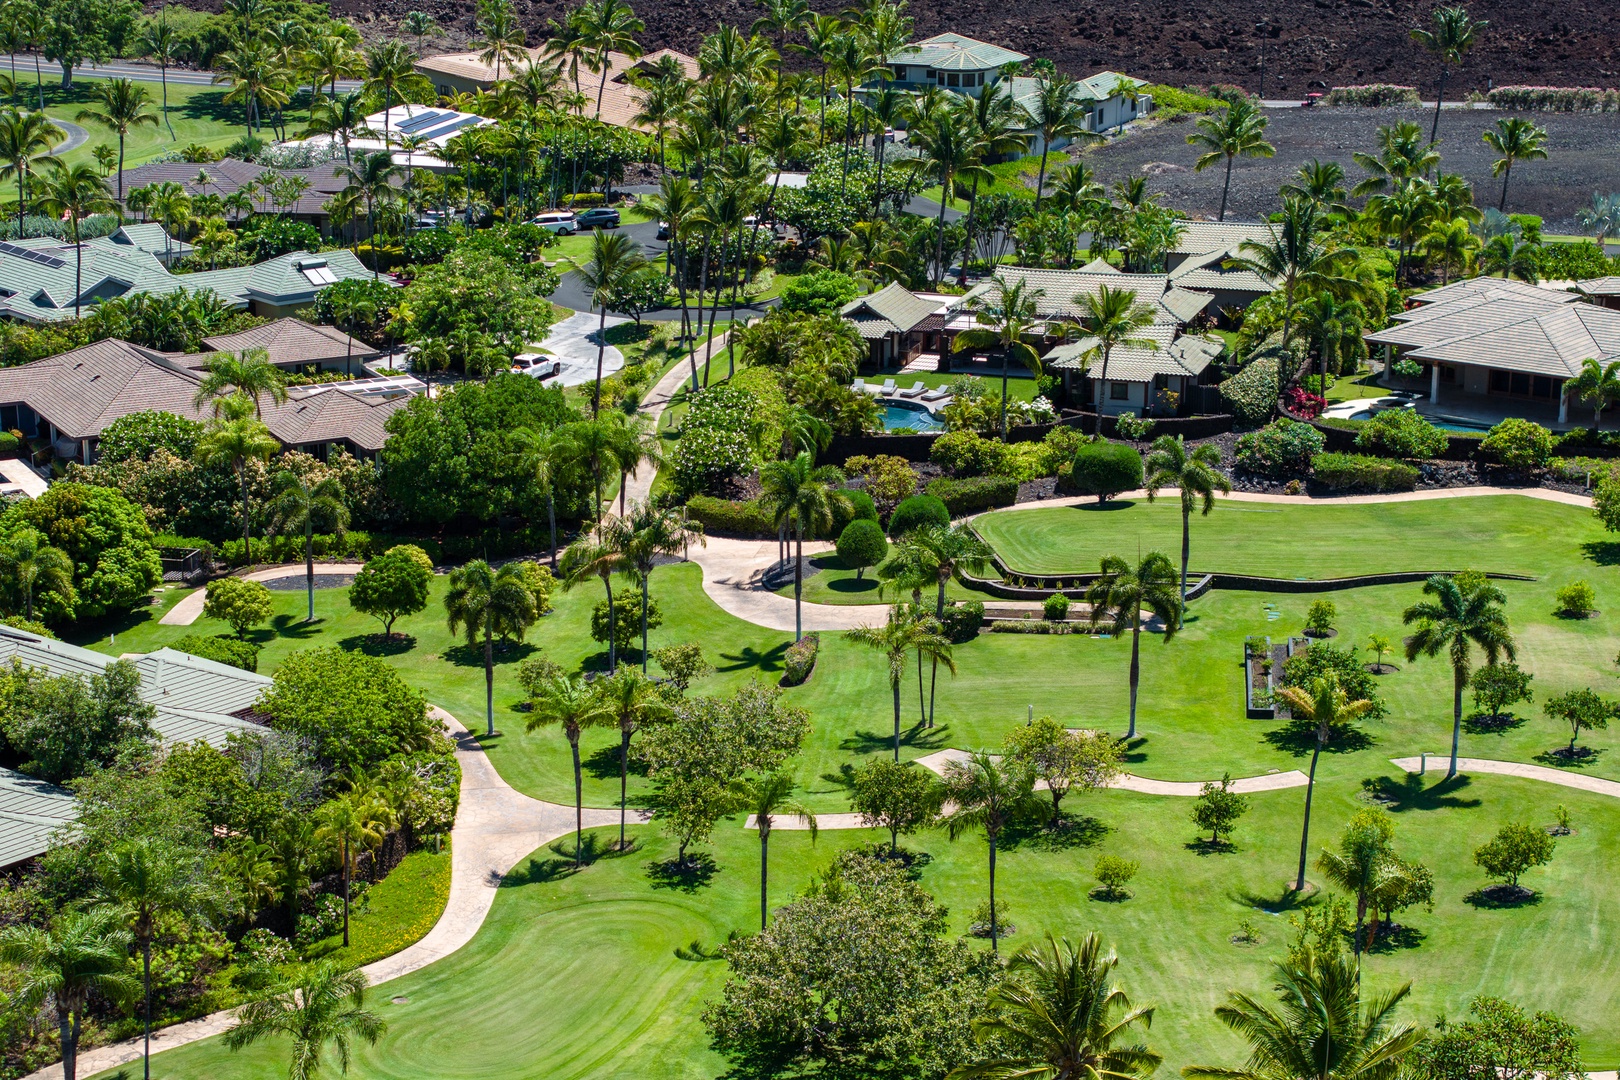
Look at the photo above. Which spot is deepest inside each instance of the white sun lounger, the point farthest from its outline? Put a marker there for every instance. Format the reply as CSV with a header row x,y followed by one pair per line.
x,y
914,391
936,395
859,386
888,387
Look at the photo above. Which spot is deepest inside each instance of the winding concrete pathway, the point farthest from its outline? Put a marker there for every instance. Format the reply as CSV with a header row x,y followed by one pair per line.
x,y
190,607
1562,777
76,136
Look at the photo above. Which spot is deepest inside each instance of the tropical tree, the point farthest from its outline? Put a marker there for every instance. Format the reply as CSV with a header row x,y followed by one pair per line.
x,y
1059,1014
1057,112
614,257
349,824
632,700
1299,257
1601,219
1514,139
35,566
26,141
608,26
1463,611
484,601
937,553
595,555
297,504
904,631
121,106
248,374
1509,254
1112,318
1450,37
1120,594
1598,385
500,34
390,73
1005,315
542,456
988,794
951,151
323,1003
1452,244
1195,476
81,953
767,798
73,192
1319,1030
1324,706
649,533
571,703
233,443
797,500
1236,131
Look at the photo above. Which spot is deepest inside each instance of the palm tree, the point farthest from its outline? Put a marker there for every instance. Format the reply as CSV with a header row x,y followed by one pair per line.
x,y
341,118
233,443
501,35
1320,182
1514,139
766,798
1509,253
160,45
26,140
371,180
614,257
1196,476
609,26
418,24
391,72
290,843
257,80
541,457
490,602
1055,113
1449,38
30,561
1299,256
952,152
79,954
1059,1014
632,700
572,704
248,374
1006,314
330,58
1112,318
1236,131
1597,385
1451,244
938,553
121,106
647,534
895,639
1324,705
799,501
988,794
1465,610
349,824
1319,1031
298,504
73,192
323,1003
1601,219
1121,592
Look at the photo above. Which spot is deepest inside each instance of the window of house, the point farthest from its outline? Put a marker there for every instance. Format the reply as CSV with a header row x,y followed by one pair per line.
x,y
899,73
953,80
1119,391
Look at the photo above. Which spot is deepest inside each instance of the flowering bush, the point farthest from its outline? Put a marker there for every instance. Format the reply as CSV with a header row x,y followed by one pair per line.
x,y
1555,98
714,442
1282,448
1373,95
1302,402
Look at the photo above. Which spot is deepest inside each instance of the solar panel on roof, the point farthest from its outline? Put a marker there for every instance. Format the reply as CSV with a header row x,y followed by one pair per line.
x,y
421,120
465,121
32,256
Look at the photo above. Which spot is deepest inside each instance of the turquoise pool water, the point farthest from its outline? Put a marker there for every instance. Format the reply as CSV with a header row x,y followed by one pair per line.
x,y
909,414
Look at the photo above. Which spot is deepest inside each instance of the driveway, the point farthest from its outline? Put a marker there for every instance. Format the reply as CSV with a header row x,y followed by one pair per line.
x,y
575,341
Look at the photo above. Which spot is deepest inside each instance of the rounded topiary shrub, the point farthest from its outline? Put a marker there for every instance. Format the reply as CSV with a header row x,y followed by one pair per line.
x,y
1105,469
916,513
861,545
855,505
1518,444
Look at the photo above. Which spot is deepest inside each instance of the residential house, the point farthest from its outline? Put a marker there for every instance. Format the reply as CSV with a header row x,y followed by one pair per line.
x,y
1603,291
228,176
898,325
1140,379
420,132
30,811
294,344
465,73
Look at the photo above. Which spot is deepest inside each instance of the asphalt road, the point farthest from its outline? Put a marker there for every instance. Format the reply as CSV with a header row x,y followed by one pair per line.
x,y
127,69
76,136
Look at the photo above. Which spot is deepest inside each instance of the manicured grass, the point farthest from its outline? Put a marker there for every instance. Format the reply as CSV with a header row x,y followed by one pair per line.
x,y
834,583
1017,177
1363,384
575,974
397,911
1020,387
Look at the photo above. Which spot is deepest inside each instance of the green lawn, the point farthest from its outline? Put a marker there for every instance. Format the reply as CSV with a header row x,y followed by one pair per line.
x,y
834,583
575,975
1363,384
1020,386
1017,176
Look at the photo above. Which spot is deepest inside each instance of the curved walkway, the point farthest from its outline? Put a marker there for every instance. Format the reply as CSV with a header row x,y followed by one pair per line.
x,y
496,827
190,607
1545,494
76,135
1563,778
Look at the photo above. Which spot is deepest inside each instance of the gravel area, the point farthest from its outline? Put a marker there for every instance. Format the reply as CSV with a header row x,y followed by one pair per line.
x,y
301,582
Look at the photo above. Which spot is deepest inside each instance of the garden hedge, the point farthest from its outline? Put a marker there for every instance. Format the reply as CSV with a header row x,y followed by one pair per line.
x,y
1105,469
223,650
917,512
975,493
800,660
748,519
1362,472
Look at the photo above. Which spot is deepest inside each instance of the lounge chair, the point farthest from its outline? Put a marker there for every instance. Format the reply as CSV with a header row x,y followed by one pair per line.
x,y
936,395
888,388
859,386
914,391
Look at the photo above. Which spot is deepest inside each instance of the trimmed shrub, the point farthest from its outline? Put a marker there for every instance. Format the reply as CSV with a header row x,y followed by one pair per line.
x,y
1056,607
961,621
1518,444
224,650
1360,472
967,453
800,660
1401,433
1554,98
974,493
1281,449
1577,599
9,444
916,512
861,545
1320,617
1251,395
1105,469
820,293
747,519
1035,626
1373,96
855,505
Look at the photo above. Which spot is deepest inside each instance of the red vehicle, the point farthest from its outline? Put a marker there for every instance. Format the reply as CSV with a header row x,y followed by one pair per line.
x,y
1311,99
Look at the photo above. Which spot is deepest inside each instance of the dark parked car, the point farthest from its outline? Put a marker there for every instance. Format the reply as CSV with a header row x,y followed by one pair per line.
x,y
601,217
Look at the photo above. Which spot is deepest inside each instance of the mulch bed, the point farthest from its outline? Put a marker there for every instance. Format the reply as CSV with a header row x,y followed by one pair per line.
x,y
301,582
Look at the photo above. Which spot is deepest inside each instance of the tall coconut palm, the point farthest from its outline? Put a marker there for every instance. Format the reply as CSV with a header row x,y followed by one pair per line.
x,y
799,501
596,555
937,553
572,704
1059,1014
371,178
542,456
1318,1030
1057,112
1236,131
1325,706
248,374
26,141
489,602
999,124
609,26
1449,38
1450,243
988,794
120,106
323,1003
80,954
35,566
500,33
768,798
234,443
1119,596
148,882
1514,139
632,701
1464,611
904,631
330,58
349,825
1111,319
646,535
73,192
1005,314
160,45
296,504
342,118
614,257
1299,257
951,151
1598,385
678,207
1510,254
1195,476
391,73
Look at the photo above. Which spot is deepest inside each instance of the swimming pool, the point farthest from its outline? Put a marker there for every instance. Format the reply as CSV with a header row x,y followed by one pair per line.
x,y
909,414
1461,427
